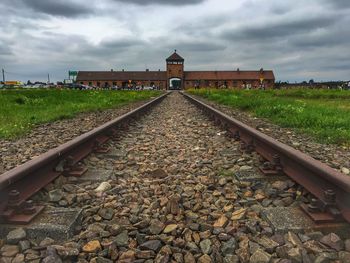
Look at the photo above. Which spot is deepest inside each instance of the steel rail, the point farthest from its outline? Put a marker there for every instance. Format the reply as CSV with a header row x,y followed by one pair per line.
x,y
315,176
30,177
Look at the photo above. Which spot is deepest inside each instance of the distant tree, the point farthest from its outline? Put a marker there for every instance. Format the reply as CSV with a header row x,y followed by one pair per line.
x,y
29,82
311,81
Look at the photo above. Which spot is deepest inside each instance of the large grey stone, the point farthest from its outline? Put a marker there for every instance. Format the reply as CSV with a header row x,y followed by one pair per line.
x,y
96,175
268,244
122,239
16,235
24,245
229,247
333,241
156,227
205,246
56,195
106,213
151,245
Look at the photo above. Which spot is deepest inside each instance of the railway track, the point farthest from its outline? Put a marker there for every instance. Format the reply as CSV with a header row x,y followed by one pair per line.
x,y
171,186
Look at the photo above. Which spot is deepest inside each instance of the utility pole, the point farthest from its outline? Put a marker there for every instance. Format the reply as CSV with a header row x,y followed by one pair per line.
x,y
3,75
48,78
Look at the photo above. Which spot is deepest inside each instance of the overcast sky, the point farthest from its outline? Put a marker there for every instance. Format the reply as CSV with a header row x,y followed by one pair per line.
x,y
298,39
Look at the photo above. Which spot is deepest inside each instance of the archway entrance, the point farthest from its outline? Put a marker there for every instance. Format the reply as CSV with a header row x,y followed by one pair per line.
x,y
175,83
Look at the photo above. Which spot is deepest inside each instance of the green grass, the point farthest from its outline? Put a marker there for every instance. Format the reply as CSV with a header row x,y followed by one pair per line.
x,y
21,110
323,114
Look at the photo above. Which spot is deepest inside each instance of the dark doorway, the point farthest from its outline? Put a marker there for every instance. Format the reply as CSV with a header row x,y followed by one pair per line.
x,y
175,83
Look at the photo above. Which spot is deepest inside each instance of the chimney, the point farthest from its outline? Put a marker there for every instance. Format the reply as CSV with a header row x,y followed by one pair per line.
x,y
159,70
238,70
111,70
147,69
123,70
261,70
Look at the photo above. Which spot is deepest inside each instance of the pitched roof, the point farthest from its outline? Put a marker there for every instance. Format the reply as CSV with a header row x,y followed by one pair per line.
x,y
120,75
229,75
175,57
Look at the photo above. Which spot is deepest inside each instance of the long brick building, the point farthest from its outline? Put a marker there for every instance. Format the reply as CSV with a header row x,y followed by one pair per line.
x,y
175,77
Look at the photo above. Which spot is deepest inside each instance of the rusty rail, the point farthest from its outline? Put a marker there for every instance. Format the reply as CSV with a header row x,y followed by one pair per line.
x,y
331,187
20,183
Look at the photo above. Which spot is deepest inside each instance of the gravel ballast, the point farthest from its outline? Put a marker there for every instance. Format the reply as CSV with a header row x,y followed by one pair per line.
x,y
337,157
48,136
173,197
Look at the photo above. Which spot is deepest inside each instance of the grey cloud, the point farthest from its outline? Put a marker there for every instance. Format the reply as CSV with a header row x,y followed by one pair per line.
x,y
111,48
120,43
280,29
198,46
79,45
337,67
18,12
202,26
331,38
339,3
161,2
63,8
6,47
280,10
5,50
299,40
105,52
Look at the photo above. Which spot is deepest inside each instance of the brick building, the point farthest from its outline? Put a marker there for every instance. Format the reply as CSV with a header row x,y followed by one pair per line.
x,y
176,78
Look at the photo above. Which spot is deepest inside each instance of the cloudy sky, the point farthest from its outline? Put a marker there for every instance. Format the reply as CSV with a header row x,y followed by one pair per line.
x,y
298,39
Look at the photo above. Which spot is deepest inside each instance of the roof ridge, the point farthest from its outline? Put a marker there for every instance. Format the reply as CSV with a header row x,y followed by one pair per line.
x,y
175,57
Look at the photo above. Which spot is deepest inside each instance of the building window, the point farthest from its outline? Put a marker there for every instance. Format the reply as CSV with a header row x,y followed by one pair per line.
x,y
98,84
90,83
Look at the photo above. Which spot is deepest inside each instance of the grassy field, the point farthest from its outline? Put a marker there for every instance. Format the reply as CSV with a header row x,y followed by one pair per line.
x,y
20,110
324,114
